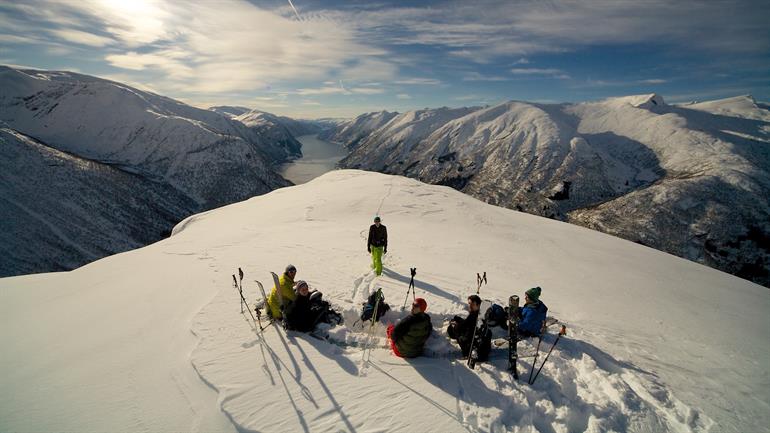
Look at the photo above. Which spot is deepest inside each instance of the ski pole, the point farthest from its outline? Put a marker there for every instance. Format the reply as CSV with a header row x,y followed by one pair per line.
x,y
480,279
243,301
411,287
235,284
378,296
562,332
534,361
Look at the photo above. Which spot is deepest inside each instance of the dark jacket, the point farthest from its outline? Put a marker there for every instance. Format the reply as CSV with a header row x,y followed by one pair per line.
x,y
411,333
463,331
378,237
531,319
299,316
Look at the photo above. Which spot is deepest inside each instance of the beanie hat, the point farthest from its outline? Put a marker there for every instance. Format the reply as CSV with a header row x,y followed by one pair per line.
x,y
290,268
376,219
301,283
421,303
534,293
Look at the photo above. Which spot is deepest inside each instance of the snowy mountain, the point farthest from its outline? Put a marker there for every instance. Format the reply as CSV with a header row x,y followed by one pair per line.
x,y
154,339
185,159
230,111
689,180
60,211
258,120
352,132
202,153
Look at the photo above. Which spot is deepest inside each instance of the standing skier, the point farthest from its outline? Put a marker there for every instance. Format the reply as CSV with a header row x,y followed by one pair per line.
x,y
286,283
377,244
532,314
408,337
462,329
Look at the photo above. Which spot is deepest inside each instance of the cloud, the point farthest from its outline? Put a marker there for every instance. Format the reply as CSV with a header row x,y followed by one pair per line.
x,y
403,96
475,76
653,81
340,90
207,47
82,38
419,82
548,72
367,90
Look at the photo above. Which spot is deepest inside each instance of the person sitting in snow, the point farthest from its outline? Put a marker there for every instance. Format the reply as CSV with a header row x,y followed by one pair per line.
x,y
286,283
408,337
462,330
532,314
300,314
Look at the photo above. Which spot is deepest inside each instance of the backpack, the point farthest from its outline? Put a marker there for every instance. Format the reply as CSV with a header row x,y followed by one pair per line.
x,y
323,311
496,316
368,310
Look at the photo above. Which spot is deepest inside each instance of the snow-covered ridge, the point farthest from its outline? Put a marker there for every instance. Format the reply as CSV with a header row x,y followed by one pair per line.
x,y
181,160
212,158
654,343
690,180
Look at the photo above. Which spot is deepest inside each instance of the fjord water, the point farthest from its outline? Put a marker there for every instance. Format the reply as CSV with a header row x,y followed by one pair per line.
x,y
318,157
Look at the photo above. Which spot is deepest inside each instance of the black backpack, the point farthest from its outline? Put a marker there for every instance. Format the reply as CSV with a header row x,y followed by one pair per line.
x,y
323,311
496,316
368,310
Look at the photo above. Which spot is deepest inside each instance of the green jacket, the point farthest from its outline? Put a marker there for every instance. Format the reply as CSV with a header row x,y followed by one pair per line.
x,y
287,290
411,334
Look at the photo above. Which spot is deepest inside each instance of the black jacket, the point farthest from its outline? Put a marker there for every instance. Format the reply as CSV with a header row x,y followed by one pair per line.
x,y
378,236
463,331
299,316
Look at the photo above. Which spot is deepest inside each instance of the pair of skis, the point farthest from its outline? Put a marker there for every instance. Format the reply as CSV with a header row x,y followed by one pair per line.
x,y
238,284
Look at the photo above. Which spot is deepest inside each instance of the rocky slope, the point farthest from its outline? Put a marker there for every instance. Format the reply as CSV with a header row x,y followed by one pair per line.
x,y
137,161
59,211
689,180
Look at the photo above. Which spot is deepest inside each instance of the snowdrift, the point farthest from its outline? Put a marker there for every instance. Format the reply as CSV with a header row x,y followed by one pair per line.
x,y
655,343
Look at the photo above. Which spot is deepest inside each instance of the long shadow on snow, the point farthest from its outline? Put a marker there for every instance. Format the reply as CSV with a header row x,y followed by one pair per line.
x,y
422,285
309,366
280,366
455,378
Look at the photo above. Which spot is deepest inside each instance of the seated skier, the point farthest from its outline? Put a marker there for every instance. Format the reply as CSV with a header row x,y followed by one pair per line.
x,y
298,314
408,337
308,309
532,314
462,329
286,283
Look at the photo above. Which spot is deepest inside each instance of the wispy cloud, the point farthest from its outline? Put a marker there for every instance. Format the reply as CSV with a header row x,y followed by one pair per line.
x,y
476,76
548,72
82,38
419,82
403,96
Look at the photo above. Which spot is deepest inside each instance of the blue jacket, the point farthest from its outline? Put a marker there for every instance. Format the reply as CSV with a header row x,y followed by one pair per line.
x,y
532,318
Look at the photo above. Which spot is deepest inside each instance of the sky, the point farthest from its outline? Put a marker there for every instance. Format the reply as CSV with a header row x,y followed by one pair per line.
x,y
312,59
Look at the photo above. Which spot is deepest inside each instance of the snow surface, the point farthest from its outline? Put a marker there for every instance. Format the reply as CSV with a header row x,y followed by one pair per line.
x,y
654,343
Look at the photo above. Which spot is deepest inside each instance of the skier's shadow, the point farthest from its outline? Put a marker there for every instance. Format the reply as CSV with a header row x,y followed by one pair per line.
x,y
422,285
323,347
